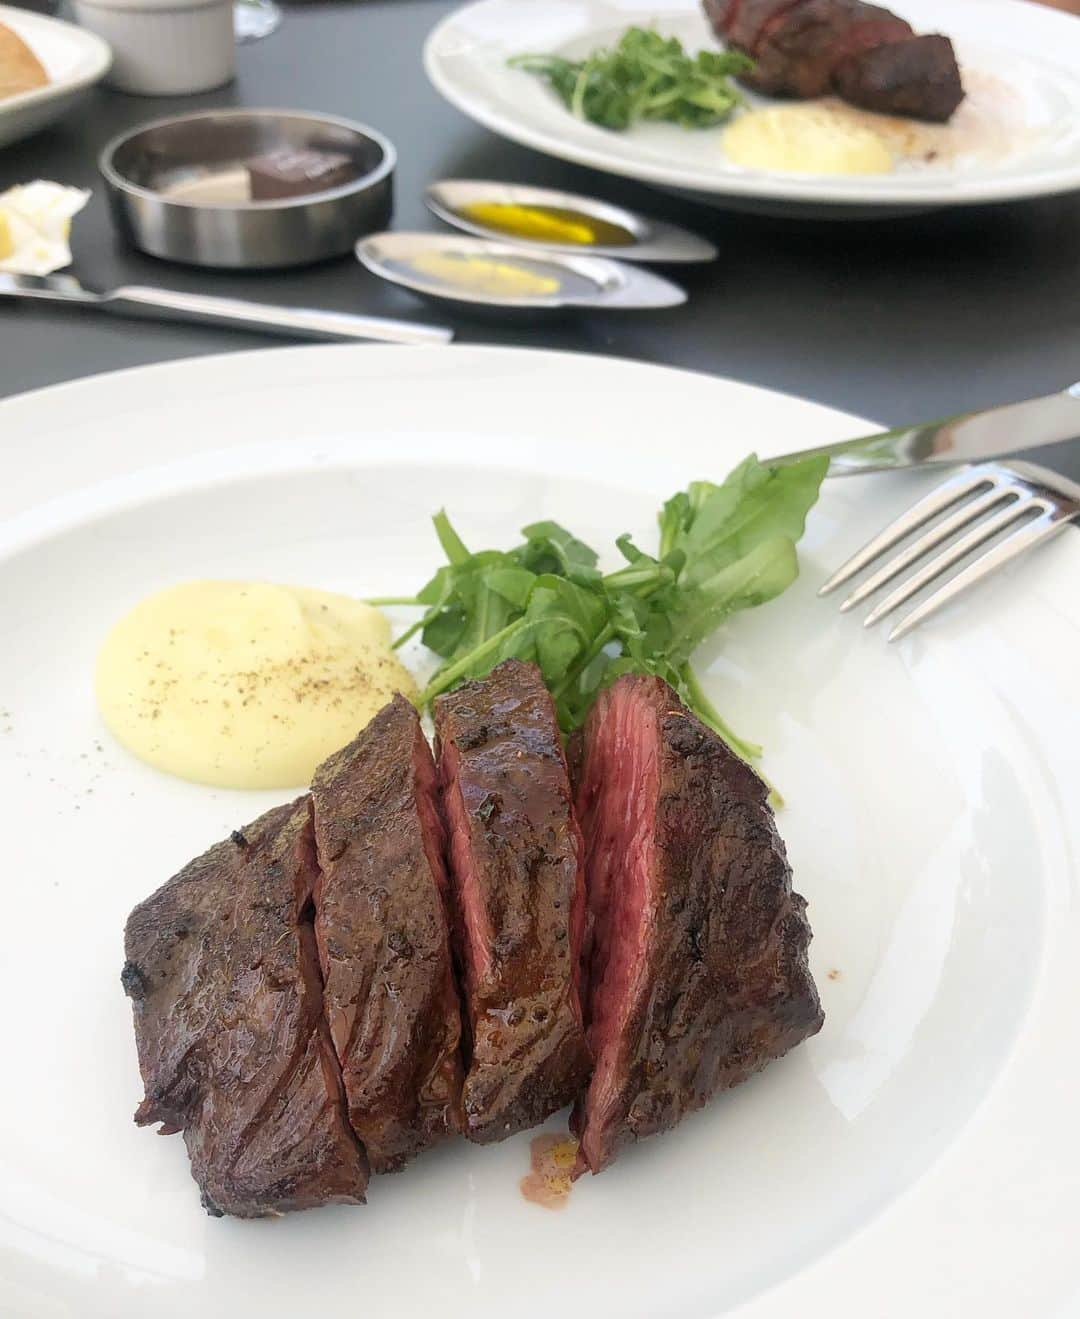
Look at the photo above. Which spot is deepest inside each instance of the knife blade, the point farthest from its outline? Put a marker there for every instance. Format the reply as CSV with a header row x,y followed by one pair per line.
x,y
967,437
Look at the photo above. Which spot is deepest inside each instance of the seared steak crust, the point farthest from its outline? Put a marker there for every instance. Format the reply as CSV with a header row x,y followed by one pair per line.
x,y
797,56
518,889
381,925
867,54
698,964
222,973
916,77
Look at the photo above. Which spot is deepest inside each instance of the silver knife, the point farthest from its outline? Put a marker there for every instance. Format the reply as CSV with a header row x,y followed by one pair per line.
x,y
966,438
202,308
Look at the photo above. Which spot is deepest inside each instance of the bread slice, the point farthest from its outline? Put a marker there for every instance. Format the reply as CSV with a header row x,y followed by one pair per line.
x,y
20,68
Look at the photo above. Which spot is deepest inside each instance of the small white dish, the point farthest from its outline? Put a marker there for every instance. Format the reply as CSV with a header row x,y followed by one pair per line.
x,y
164,47
1017,134
73,59
920,1157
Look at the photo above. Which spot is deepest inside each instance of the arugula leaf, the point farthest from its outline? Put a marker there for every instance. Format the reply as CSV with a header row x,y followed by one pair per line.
x,y
723,548
566,619
477,605
512,583
756,578
550,548
713,525
453,546
644,76
445,630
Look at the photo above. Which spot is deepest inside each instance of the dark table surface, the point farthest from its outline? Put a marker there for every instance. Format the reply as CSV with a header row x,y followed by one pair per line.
x,y
898,320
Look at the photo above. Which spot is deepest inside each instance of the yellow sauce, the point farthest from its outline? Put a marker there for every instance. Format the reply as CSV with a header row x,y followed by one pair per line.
x,y
546,224
478,274
245,684
813,138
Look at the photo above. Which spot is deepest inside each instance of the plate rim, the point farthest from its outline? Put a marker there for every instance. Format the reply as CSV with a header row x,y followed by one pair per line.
x,y
767,188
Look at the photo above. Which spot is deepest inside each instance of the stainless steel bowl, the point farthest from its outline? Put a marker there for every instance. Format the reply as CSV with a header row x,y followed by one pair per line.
x,y
178,189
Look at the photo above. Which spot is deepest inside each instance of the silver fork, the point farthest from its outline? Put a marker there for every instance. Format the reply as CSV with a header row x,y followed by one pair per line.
x,y
985,500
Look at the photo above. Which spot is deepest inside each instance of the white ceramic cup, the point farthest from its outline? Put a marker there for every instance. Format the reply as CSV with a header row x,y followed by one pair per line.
x,y
164,47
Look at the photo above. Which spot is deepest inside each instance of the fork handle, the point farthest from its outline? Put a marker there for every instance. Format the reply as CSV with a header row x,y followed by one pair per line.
x,y
292,322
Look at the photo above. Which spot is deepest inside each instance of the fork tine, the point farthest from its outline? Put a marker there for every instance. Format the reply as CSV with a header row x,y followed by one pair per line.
x,y
943,530
935,502
951,554
1021,540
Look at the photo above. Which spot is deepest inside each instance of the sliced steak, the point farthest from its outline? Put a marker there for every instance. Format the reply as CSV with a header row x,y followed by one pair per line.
x,y
223,976
870,26
753,19
796,54
721,15
516,863
918,77
867,54
383,937
698,967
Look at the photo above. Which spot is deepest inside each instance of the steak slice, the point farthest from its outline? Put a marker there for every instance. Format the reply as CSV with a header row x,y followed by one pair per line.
x,y
753,19
516,863
223,976
918,77
721,14
384,946
798,50
867,54
698,967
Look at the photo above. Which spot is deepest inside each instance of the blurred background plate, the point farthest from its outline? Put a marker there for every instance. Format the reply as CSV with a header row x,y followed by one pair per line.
x,y
1019,129
73,58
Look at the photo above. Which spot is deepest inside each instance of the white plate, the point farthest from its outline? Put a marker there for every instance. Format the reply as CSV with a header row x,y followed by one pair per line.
x,y
73,58
1021,63
919,1157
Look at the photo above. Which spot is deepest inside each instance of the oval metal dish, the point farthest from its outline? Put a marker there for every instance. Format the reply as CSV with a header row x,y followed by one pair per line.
x,y
652,240
584,281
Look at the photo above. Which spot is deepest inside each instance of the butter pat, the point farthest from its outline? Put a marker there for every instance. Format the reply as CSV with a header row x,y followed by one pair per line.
x,y
806,139
488,276
35,224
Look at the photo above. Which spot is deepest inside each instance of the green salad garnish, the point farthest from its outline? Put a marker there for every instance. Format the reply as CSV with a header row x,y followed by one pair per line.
x,y
644,76
722,548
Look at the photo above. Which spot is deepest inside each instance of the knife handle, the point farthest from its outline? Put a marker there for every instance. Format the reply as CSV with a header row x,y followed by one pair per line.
x,y
292,322
968,437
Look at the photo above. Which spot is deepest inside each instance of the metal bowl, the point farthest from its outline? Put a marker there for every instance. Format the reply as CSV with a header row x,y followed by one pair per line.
x,y
178,189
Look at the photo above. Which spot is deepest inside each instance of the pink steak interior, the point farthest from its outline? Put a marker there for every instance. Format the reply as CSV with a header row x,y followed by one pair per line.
x,y
427,807
474,933
617,807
